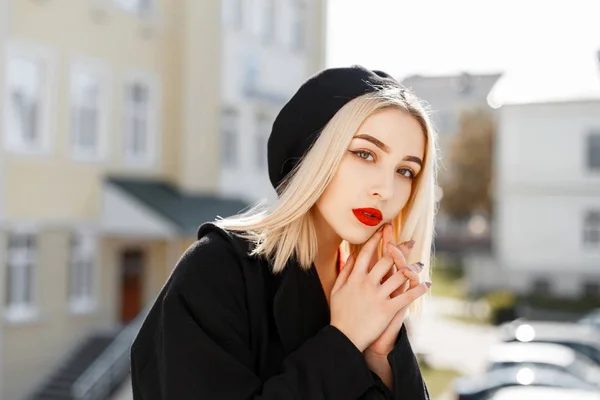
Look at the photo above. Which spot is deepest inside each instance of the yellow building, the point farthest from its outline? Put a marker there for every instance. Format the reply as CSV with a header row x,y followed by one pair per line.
x,y
110,158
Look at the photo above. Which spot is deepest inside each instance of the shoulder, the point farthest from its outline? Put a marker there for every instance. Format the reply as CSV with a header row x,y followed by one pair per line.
x,y
215,260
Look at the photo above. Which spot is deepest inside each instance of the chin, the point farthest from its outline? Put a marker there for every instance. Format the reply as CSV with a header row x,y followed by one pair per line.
x,y
357,235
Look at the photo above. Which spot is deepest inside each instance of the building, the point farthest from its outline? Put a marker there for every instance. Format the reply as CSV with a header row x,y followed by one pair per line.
x,y
126,124
449,95
269,48
547,189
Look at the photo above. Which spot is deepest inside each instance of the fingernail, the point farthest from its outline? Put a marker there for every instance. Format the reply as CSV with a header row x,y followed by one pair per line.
x,y
428,284
409,244
419,266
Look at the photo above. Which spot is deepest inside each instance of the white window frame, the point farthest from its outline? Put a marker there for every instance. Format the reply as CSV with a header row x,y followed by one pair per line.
x,y
230,127
101,71
17,259
300,21
233,14
269,20
595,134
263,130
151,81
83,255
45,60
591,227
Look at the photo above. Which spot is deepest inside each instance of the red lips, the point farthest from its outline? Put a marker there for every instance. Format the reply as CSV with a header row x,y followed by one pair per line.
x,y
368,216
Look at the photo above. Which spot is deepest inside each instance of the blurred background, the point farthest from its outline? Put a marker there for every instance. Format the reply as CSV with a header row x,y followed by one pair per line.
x,y
125,124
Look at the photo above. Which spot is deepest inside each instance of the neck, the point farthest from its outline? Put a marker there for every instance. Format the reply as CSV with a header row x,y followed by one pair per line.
x,y
327,253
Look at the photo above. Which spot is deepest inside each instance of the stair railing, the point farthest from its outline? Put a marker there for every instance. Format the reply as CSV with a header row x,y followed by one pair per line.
x,y
111,367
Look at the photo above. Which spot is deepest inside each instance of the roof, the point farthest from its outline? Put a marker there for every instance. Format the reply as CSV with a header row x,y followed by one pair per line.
x,y
547,353
546,393
527,331
186,211
573,78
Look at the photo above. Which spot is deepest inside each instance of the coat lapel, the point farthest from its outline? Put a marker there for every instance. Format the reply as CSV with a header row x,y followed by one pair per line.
x,y
300,307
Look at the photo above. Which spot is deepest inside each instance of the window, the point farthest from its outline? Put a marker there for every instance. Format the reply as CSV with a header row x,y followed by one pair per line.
x,y
299,26
88,112
591,229
140,111
233,13
26,120
541,286
81,273
591,289
269,20
229,144
593,146
139,7
263,129
20,279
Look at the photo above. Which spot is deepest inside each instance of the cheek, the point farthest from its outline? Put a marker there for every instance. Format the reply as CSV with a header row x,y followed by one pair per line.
x,y
401,196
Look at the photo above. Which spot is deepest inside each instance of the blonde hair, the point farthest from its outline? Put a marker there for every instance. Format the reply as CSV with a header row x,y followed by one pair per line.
x,y
287,229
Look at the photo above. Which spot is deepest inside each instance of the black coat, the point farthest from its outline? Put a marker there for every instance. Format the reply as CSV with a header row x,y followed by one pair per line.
x,y
225,328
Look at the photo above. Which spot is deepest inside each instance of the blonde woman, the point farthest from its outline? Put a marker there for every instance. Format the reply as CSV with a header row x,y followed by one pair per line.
x,y
265,305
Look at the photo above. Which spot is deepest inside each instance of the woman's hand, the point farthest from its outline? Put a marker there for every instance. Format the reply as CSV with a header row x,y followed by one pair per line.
x,y
384,344
362,304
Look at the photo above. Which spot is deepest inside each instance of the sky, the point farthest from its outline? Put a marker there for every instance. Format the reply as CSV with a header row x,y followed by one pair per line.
x,y
433,37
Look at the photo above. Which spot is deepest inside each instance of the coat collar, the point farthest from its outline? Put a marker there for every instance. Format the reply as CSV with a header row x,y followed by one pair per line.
x,y
300,307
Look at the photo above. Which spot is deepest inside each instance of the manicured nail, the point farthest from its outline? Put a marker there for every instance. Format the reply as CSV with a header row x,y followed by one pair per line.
x,y
419,266
428,284
409,244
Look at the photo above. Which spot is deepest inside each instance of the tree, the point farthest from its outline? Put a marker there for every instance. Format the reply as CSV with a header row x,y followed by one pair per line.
x,y
466,182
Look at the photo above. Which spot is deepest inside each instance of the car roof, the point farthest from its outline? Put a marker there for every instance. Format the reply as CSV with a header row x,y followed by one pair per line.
x,y
546,393
525,331
548,353
522,375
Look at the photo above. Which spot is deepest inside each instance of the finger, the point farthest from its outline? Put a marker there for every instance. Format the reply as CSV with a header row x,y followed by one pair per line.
x,y
344,273
362,260
397,255
412,273
395,282
413,279
406,247
410,295
381,269
387,234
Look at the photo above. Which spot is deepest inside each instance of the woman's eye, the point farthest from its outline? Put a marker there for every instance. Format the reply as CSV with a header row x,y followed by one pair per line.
x,y
364,155
407,173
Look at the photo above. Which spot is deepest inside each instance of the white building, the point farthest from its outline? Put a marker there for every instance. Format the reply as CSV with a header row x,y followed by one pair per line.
x,y
547,189
268,49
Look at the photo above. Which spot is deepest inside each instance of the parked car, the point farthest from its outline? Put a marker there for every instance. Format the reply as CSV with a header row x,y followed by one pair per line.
x,y
481,387
592,318
543,393
551,355
581,338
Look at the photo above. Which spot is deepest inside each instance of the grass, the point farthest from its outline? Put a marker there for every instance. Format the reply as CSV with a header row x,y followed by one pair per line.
x,y
438,380
447,281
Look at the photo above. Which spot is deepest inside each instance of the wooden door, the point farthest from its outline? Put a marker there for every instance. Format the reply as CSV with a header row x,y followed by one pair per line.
x,y
132,273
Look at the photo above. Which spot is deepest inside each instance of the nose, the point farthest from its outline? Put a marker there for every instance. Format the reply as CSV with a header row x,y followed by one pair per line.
x,y
383,186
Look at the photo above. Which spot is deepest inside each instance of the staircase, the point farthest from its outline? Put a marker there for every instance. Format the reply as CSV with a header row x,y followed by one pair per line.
x,y
58,386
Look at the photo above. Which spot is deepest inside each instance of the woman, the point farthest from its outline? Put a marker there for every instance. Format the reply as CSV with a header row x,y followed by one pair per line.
x,y
260,306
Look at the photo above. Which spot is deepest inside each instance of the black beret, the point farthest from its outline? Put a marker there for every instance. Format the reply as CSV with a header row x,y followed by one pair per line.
x,y
300,121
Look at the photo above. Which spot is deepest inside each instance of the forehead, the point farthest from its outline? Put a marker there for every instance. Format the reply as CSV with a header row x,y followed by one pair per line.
x,y
400,131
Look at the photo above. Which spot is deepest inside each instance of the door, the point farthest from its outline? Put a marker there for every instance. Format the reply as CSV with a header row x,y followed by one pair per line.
x,y
132,273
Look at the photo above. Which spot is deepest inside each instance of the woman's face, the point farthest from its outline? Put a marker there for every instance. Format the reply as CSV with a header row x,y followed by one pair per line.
x,y
375,176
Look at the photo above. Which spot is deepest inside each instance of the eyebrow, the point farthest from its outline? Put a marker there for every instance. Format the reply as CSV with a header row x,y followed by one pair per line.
x,y
385,147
